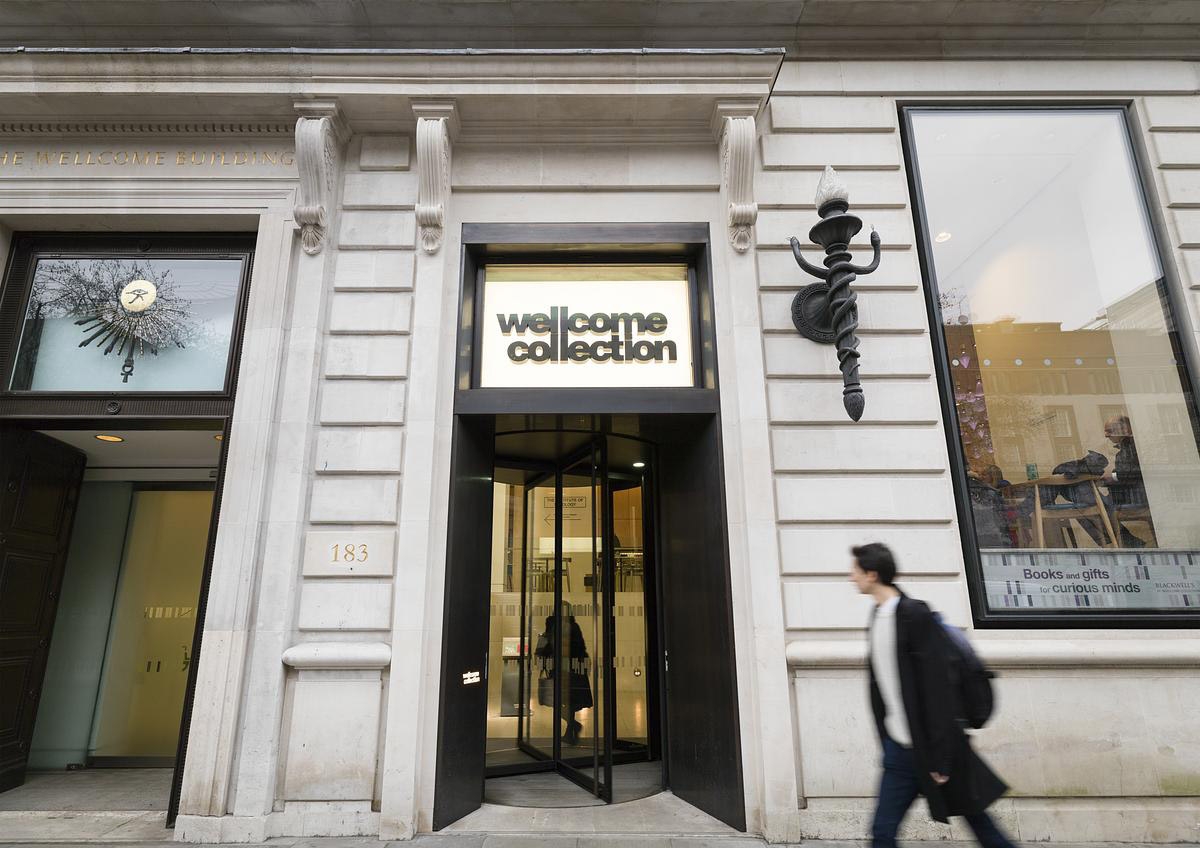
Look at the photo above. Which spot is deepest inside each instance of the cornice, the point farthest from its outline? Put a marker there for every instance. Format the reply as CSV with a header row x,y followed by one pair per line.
x,y
502,96
459,69
96,129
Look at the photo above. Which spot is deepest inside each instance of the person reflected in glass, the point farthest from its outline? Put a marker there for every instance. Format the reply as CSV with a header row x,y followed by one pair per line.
x,y
1123,482
993,521
1126,489
574,685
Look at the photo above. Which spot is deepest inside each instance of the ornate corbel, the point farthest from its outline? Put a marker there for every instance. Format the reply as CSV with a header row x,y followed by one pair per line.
x,y
320,132
437,125
827,311
734,123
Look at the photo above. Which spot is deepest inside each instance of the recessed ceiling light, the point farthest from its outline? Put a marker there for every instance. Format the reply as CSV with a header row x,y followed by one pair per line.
x,y
941,237
639,465
108,437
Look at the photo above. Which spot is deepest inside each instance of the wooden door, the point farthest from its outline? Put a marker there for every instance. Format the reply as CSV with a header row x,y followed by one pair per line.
x,y
39,488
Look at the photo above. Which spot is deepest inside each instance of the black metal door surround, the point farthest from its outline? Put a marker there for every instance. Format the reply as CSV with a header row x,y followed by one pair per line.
x,y
462,710
702,755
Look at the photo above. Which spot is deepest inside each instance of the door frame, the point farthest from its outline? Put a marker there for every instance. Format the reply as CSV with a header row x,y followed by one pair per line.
x,y
688,243
131,410
223,427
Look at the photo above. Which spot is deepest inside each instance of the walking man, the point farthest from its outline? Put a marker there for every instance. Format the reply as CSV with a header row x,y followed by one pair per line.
x,y
925,750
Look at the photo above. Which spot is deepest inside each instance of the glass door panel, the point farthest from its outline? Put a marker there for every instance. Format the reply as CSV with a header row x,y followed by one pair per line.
x,y
632,708
583,641
568,676
539,726
508,649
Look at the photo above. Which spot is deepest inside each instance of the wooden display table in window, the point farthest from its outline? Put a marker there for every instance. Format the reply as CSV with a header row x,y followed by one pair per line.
x,y
1061,515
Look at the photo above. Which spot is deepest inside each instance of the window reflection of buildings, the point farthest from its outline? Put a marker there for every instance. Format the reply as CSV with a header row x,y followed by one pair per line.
x,y
1032,395
1012,415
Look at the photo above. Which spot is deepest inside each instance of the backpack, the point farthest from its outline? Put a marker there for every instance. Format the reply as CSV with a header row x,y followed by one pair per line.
x,y
971,678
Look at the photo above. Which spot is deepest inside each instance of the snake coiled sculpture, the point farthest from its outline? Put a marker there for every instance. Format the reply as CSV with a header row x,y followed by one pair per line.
x,y
827,311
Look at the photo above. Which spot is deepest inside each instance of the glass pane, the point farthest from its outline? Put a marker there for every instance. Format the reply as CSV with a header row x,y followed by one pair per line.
x,y
128,324
539,731
582,637
150,642
508,652
629,609
1072,403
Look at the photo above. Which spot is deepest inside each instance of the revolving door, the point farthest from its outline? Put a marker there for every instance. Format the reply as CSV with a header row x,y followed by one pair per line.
x,y
572,680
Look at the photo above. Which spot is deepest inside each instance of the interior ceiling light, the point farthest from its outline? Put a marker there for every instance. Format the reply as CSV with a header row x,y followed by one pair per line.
x,y
108,437
219,436
942,237
639,465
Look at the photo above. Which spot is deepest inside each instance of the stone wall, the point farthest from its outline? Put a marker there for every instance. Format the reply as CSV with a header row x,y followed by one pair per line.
x,y
1092,732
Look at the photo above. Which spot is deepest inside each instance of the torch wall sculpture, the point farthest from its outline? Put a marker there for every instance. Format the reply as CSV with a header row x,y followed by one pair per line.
x,y
827,312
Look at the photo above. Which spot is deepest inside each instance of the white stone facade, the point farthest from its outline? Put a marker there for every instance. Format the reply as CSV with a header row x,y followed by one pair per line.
x,y
317,699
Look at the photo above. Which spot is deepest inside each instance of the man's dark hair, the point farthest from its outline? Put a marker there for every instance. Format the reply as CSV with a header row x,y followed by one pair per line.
x,y
876,557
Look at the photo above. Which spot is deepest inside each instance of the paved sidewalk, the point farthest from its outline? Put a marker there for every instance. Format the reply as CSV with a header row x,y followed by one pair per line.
x,y
534,840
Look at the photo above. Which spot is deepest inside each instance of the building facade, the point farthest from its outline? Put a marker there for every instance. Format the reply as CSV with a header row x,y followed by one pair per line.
x,y
1034,306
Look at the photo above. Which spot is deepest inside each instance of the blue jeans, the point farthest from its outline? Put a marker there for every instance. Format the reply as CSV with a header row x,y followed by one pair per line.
x,y
897,791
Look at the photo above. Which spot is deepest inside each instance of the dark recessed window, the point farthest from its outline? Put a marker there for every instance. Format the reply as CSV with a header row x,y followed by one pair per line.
x,y
1072,405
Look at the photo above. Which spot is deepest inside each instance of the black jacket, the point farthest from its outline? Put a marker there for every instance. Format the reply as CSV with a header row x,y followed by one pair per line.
x,y
1128,489
930,705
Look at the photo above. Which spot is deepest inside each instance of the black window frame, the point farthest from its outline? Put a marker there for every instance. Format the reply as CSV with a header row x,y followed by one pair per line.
x,y
1181,333
104,405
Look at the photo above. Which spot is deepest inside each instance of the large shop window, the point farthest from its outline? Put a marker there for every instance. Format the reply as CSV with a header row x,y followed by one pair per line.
x,y
1071,399
130,323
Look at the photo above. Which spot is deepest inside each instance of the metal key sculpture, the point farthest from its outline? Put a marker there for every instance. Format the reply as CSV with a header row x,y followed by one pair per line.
x,y
827,311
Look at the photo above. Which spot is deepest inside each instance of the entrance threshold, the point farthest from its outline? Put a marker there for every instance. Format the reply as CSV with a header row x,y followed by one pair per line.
x,y
87,805
550,789
658,815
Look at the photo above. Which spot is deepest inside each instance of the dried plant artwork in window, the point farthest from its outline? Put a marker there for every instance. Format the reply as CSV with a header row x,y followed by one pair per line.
x,y
176,312
124,311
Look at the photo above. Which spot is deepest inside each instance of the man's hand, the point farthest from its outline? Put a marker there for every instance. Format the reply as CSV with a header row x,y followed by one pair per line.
x,y
939,778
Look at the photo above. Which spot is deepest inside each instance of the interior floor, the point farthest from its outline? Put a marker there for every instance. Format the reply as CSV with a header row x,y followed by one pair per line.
x,y
549,789
132,789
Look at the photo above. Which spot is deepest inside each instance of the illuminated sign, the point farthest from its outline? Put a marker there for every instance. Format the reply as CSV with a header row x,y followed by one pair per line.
x,y
632,327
